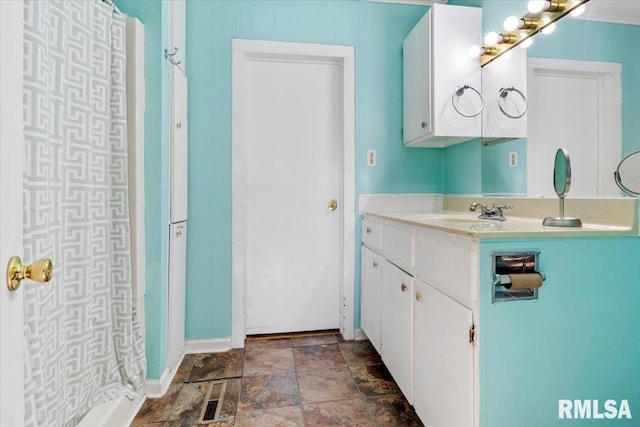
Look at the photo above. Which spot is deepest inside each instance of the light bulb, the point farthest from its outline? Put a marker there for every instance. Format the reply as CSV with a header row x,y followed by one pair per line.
x,y
578,10
475,51
511,23
491,39
535,6
549,28
526,43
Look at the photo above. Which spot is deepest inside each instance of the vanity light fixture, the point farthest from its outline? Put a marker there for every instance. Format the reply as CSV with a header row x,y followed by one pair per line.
x,y
541,18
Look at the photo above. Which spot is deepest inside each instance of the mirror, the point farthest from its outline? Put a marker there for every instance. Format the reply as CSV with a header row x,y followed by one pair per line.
x,y
561,185
627,174
597,136
562,173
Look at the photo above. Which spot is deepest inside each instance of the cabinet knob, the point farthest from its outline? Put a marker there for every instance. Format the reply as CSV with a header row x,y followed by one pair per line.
x,y
375,264
368,230
418,296
403,287
423,125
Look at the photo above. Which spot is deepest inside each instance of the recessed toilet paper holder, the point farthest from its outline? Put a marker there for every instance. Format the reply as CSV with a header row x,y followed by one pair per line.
x,y
523,267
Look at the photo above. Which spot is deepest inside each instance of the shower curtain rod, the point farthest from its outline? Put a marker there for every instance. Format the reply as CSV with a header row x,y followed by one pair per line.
x,y
112,4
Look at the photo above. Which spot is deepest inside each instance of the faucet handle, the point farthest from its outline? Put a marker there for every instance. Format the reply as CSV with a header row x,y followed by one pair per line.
x,y
506,206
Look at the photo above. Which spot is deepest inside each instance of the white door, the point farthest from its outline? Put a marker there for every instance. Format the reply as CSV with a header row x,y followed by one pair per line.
x,y
292,131
370,295
574,105
177,277
179,143
11,156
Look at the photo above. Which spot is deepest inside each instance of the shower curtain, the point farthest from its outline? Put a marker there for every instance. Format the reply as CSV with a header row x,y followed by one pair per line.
x,y
83,344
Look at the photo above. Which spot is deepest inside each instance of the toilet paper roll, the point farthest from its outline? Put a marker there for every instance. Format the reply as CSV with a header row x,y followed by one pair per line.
x,y
524,281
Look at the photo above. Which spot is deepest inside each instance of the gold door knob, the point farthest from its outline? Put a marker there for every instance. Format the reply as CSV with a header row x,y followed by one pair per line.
x,y
39,271
418,296
333,205
403,287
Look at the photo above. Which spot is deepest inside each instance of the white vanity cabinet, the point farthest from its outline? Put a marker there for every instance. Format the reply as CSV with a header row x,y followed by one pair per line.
x,y
435,65
419,294
443,359
504,89
370,281
396,330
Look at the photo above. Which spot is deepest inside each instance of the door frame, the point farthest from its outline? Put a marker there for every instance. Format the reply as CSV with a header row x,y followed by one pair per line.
x,y
11,243
608,77
244,51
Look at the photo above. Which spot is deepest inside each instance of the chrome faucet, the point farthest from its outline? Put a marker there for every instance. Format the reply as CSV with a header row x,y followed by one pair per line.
x,y
495,212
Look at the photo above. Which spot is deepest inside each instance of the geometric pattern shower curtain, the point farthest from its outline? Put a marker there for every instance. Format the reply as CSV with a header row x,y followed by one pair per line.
x,y
83,344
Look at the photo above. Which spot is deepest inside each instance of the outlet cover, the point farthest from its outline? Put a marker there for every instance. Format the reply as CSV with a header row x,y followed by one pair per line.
x,y
371,157
513,159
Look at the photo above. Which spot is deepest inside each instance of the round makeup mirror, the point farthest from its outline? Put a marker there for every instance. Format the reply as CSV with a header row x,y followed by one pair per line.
x,y
562,183
562,173
627,174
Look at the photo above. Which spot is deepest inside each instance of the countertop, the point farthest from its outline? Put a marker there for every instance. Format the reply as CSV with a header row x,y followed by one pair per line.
x,y
469,225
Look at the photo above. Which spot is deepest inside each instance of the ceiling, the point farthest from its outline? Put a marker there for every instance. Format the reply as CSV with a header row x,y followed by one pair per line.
x,y
617,11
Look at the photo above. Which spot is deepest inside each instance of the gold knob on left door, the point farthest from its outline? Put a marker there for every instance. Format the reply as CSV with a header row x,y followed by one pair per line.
x,y
333,205
39,271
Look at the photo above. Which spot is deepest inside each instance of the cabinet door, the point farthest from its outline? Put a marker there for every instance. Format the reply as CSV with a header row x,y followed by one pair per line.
x,y
443,361
396,331
176,297
416,72
370,296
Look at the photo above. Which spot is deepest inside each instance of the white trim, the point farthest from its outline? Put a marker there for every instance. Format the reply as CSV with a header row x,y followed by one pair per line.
x,y
157,388
12,154
609,79
399,202
410,2
217,345
359,335
615,12
242,51
135,134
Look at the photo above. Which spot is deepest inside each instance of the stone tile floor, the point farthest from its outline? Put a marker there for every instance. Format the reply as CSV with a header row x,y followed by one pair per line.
x,y
299,380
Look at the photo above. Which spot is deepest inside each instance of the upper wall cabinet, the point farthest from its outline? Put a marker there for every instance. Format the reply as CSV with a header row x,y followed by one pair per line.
x,y
442,84
177,32
504,88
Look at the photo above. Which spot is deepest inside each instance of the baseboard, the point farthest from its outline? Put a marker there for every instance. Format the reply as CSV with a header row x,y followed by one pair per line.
x,y
359,335
216,345
157,388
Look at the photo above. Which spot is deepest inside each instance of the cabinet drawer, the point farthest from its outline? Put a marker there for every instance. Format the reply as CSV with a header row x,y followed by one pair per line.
x,y
371,234
446,263
397,246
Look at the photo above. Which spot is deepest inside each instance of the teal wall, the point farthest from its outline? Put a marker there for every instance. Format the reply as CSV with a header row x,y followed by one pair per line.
x,y
573,39
376,30
579,340
462,168
154,17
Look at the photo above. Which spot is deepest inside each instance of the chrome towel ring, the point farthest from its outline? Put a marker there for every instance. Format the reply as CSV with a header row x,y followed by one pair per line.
x,y
503,93
459,92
